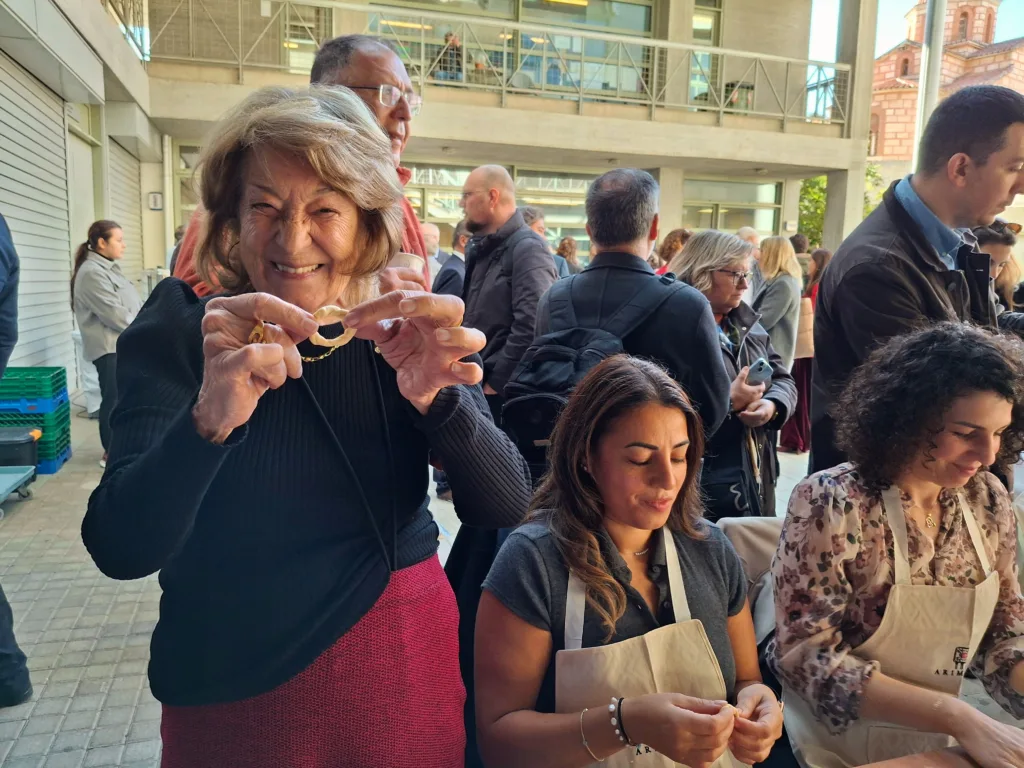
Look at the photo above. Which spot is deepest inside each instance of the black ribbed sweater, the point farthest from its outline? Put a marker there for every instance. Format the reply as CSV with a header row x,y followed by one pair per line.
x,y
265,548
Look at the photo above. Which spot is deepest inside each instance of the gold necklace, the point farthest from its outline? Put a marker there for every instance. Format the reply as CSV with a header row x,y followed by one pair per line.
x,y
318,358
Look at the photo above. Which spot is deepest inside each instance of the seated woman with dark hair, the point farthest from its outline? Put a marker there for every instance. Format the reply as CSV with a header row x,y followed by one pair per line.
x,y
998,240
896,573
614,625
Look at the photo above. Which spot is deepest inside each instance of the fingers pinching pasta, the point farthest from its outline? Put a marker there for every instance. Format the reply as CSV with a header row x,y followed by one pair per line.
x,y
330,315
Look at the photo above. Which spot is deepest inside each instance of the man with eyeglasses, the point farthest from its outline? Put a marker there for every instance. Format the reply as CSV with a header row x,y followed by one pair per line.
x,y
370,68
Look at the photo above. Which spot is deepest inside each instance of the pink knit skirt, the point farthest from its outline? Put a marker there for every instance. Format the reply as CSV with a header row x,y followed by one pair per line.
x,y
388,694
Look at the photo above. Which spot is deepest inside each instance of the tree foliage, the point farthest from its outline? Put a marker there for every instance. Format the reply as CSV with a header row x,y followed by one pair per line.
x,y
813,192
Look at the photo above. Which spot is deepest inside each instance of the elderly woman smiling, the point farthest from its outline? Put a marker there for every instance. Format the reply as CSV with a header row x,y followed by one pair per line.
x,y
279,487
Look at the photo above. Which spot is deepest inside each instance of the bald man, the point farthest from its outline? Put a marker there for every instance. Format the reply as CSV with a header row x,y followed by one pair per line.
x,y
435,256
751,235
508,269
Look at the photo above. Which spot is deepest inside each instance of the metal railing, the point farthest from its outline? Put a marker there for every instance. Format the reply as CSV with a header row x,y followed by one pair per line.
x,y
130,16
510,58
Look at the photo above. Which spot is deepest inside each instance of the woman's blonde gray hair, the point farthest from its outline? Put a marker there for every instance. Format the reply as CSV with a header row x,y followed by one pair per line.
x,y
704,253
328,127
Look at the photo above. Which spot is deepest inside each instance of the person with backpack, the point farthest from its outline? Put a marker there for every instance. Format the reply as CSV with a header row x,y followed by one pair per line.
x,y
508,269
617,304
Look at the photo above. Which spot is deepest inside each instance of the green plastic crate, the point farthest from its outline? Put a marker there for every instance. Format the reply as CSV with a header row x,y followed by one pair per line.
x,y
32,382
53,443
59,420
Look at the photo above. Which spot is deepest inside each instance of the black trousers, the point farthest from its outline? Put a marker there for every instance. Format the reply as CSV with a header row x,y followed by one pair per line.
x,y
14,679
106,367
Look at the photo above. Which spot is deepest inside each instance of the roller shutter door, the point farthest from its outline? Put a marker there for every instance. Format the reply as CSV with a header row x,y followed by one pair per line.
x,y
126,209
34,200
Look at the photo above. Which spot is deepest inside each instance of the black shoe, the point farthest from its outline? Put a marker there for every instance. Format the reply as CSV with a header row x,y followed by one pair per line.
x,y
9,699
444,495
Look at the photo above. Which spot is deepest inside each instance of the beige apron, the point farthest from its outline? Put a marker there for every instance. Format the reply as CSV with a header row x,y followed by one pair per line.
x,y
676,658
928,637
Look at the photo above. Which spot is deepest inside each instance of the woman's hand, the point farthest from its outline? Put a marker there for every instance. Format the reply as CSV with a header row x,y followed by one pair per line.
x,y
988,742
401,279
741,394
757,414
420,336
691,731
758,726
236,374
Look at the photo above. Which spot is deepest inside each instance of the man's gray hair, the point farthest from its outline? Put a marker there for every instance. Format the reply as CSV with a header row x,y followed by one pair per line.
x,y
621,206
706,252
334,55
531,213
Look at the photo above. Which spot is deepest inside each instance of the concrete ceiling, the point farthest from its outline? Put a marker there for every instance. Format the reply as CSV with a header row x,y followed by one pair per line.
x,y
441,151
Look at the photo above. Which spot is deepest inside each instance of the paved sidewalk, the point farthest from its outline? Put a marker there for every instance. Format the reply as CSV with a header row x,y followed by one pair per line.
x,y
86,636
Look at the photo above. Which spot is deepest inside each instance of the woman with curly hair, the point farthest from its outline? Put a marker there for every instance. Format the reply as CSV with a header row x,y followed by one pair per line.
x,y
567,249
670,247
897,572
616,615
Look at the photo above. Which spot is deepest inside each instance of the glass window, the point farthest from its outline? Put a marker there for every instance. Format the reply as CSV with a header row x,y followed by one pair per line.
x,y
698,216
553,181
438,175
709,3
490,7
415,198
705,27
731,191
764,220
443,205
591,13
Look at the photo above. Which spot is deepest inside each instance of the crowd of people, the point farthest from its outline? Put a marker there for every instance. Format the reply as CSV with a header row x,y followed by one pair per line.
x,y
608,431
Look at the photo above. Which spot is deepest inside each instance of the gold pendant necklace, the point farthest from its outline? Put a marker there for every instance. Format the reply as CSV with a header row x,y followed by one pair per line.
x,y
929,521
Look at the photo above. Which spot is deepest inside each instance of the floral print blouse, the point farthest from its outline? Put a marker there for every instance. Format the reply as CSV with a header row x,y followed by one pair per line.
x,y
834,569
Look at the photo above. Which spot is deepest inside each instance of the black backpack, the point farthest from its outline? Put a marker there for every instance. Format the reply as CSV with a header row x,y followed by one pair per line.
x,y
576,341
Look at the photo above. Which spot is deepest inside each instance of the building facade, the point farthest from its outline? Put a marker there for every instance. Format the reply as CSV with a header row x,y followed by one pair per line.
x,y
105,103
969,57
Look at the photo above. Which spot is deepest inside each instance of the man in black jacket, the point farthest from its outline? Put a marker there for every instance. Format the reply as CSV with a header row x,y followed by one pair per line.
x,y
681,335
508,269
15,687
452,277
913,262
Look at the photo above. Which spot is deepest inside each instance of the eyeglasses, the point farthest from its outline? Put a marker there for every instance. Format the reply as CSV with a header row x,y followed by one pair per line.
x,y
390,95
737,277
1001,226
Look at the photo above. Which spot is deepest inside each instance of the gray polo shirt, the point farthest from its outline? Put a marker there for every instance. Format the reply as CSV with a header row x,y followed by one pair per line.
x,y
530,578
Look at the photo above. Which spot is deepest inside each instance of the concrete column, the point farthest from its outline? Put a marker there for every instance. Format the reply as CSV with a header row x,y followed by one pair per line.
x,y
674,22
931,68
790,207
670,205
858,20
844,204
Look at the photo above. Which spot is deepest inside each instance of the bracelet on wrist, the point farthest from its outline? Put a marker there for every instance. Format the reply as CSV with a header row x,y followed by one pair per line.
x,y
583,736
622,723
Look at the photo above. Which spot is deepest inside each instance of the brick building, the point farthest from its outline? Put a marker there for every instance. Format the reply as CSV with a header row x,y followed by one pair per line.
x,y
970,57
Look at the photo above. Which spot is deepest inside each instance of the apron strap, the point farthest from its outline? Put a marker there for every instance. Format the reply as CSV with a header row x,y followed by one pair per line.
x,y
898,525
575,607
676,590
576,596
975,531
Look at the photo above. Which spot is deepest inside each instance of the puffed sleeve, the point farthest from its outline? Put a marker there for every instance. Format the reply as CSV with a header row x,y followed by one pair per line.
x,y
821,536
1002,648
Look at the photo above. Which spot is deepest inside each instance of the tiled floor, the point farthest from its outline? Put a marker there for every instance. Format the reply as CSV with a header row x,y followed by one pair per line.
x,y
87,636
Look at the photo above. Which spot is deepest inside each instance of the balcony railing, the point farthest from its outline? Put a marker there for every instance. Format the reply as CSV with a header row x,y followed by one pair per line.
x,y
509,58
130,16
